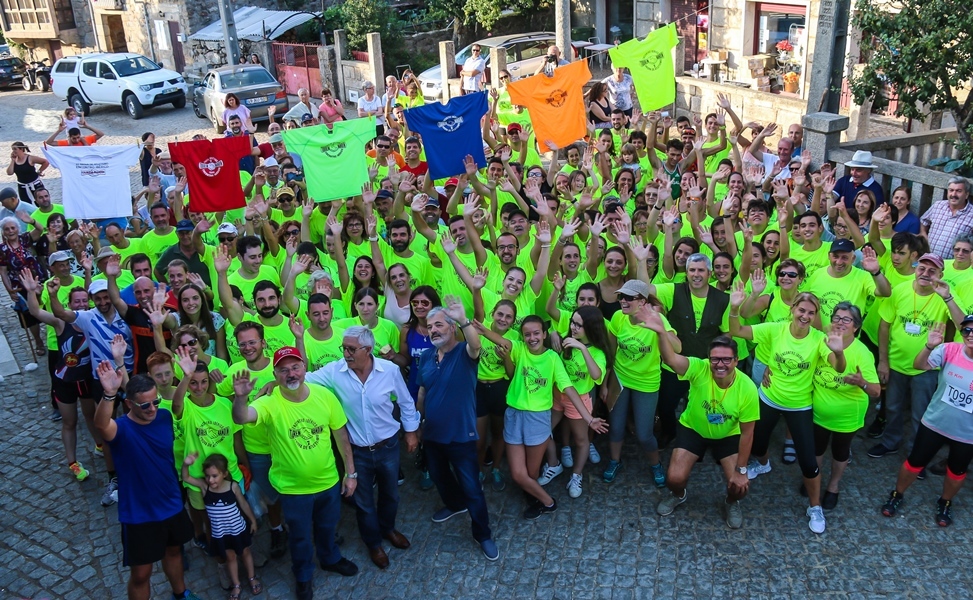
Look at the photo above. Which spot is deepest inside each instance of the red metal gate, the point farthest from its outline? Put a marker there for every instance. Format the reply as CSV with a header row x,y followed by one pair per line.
x,y
297,67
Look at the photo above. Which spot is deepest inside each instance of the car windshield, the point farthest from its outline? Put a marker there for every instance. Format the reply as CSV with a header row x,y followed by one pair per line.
x,y
134,66
8,62
246,78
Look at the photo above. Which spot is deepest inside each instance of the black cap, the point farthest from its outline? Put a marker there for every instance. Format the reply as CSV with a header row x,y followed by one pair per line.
x,y
966,319
8,192
383,194
185,225
842,245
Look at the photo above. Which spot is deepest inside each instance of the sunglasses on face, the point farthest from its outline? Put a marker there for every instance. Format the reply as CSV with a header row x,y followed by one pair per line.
x,y
504,78
191,343
966,331
788,274
421,303
293,232
226,239
625,297
146,405
383,146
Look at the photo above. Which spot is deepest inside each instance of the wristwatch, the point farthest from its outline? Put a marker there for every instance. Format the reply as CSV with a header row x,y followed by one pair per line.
x,y
742,470
352,475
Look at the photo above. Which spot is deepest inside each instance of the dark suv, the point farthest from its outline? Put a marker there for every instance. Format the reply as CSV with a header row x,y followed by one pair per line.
x,y
11,70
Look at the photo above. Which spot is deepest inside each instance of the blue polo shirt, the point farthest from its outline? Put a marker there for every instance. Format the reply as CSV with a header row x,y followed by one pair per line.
x,y
148,488
450,403
846,188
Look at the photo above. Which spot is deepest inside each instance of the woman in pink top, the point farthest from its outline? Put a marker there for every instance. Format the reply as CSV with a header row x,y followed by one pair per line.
x,y
331,110
233,107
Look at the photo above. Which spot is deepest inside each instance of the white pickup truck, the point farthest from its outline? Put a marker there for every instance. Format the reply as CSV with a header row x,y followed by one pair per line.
x,y
131,81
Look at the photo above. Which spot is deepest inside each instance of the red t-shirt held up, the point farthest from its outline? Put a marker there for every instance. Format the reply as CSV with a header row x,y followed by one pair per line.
x,y
213,171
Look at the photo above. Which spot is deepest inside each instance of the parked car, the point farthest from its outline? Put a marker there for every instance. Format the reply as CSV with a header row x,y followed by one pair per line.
x,y
252,84
525,52
12,71
129,80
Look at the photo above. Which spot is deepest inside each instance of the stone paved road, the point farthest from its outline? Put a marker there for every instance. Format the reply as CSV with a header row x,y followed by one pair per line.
x,y
58,542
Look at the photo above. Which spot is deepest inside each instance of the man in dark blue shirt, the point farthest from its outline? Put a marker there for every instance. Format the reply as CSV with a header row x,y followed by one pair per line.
x,y
234,128
447,394
859,178
154,521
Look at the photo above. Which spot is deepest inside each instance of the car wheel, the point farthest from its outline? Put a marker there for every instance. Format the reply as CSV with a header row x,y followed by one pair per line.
x,y
79,105
45,84
198,109
179,102
26,83
133,107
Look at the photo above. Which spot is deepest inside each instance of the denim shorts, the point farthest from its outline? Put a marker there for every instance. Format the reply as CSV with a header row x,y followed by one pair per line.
x,y
527,428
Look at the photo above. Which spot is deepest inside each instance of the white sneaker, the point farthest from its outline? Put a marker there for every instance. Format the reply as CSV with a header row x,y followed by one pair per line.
x,y
816,516
567,459
593,456
574,486
754,468
550,473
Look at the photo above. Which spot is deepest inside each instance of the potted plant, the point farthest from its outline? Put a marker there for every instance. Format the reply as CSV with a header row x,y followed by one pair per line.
x,y
784,49
790,82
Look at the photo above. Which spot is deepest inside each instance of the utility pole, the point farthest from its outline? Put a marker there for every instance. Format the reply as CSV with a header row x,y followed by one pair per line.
x,y
229,32
562,28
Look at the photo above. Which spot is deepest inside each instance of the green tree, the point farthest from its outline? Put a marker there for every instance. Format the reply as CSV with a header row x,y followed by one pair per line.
x,y
362,17
483,12
923,49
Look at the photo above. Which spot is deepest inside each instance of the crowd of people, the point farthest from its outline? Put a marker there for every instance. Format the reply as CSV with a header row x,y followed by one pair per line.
x,y
687,281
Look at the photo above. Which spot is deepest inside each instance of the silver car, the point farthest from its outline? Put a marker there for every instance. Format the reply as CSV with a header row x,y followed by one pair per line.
x,y
252,84
525,52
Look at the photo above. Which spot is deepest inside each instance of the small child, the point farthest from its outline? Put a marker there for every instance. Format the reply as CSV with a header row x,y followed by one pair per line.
x,y
225,502
629,159
71,119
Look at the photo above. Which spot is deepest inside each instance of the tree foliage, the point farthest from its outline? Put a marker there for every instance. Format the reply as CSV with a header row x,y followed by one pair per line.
x,y
921,49
483,12
362,17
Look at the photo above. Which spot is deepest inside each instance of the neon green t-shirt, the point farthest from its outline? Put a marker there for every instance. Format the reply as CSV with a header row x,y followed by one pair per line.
x,y
577,368
490,367
386,332
254,437
792,363
178,439
839,406
713,412
855,287
300,439
910,316
535,375
209,430
334,159
638,364
154,244
812,260
320,353
872,318
246,286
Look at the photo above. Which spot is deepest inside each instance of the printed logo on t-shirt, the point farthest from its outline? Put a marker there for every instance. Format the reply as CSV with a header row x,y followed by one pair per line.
x,y
789,362
306,433
557,98
828,379
450,123
212,433
333,150
99,169
652,60
71,360
633,349
533,379
211,167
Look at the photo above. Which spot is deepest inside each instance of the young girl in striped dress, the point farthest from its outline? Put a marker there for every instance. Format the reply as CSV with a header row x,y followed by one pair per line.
x,y
226,508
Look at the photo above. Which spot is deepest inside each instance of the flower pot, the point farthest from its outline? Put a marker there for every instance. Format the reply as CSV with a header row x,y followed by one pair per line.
x,y
790,88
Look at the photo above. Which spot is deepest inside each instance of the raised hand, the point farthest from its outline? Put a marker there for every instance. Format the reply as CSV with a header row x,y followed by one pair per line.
x,y
367,194
705,237
447,242
222,260
335,226
870,260
30,284
407,182
738,296
649,316
621,232
114,267
597,225
242,383
419,202
881,213
109,378
828,185
470,164
758,282
454,309
835,342
936,334
723,173
543,232
480,278
558,282
296,325
157,315
186,362
302,264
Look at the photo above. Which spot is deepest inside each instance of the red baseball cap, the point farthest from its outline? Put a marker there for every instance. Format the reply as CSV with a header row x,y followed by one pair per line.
x,y
287,352
452,181
514,127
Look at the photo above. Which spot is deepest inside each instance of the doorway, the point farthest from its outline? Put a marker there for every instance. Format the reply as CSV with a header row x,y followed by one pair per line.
x,y
621,19
114,33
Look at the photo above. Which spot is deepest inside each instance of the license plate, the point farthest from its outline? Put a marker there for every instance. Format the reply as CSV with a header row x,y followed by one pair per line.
x,y
256,100
170,90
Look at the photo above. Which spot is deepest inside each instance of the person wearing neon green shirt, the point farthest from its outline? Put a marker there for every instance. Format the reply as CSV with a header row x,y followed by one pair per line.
x,y
527,422
842,282
300,420
639,372
724,426
907,317
387,334
797,349
840,398
812,253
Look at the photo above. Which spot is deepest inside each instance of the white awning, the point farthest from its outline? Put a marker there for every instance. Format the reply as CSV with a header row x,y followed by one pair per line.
x,y
255,24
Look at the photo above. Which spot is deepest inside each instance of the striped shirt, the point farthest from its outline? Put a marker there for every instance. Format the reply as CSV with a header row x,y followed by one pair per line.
x,y
100,334
224,514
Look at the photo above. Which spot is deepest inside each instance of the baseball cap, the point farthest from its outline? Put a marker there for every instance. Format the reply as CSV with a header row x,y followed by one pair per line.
x,y
932,258
229,228
165,156
967,319
633,288
452,181
8,192
100,285
271,162
59,256
307,117
105,252
287,352
383,194
276,139
433,201
842,245
285,191
514,127
185,225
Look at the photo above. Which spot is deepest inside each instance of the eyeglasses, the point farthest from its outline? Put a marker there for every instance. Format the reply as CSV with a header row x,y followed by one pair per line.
x,y
226,239
842,320
191,343
535,174
966,331
350,349
476,49
961,250
721,360
383,146
353,225
421,303
504,78
146,405
788,274
293,232
507,247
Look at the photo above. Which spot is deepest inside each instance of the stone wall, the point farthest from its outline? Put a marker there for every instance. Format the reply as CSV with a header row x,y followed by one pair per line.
x,y
698,96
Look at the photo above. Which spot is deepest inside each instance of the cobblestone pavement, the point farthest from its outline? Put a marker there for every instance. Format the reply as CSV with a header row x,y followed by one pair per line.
x,y
58,542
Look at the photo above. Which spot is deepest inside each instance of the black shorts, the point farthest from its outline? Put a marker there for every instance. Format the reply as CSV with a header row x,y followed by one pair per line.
x,y
237,543
146,543
491,398
689,440
68,392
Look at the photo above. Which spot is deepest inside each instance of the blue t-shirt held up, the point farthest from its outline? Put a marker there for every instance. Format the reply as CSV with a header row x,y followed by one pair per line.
x,y
450,404
449,132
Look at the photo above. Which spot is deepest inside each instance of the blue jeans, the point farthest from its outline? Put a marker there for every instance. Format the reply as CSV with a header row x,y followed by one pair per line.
x,y
379,466
260,472
897,395
643,406
311,522
460,487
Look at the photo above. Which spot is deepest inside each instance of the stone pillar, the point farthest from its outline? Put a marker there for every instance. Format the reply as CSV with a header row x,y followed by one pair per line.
x,y
822,133
447,66
562,28
329,70
827,61
340,54
375,62
498,62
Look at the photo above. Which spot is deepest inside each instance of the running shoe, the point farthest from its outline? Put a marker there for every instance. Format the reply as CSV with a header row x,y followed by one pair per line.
x,y
78,470
499,483
892,505
876,429
537,509
574,486
878,451
669,503
567,458
734,514
659,475
401,477
789,455
593,456
99,451
444,514
425,481
755,469
550,473
611,470
55,415
111,493
816,521
943,518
